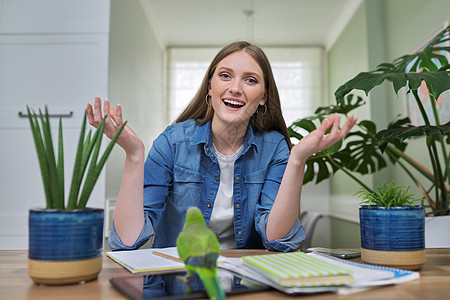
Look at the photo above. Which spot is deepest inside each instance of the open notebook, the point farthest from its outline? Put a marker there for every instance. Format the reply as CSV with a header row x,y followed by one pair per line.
x,y
154,260
146,261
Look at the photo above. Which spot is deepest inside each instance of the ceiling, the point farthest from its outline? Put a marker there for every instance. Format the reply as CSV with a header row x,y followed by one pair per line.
x,y
265,22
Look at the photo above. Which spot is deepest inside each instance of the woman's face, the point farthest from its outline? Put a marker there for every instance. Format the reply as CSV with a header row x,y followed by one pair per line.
x,y
236,89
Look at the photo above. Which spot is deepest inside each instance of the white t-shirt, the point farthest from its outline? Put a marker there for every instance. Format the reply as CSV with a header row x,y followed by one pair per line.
x,y
222,217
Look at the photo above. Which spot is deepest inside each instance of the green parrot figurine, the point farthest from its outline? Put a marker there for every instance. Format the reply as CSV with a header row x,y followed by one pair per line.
x,y
199,249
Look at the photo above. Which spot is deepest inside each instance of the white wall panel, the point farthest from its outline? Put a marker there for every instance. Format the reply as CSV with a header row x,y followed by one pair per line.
x,y
55,53
54,16
63,72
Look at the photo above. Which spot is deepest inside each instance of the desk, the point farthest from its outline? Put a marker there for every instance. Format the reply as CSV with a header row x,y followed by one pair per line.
x,y
434,282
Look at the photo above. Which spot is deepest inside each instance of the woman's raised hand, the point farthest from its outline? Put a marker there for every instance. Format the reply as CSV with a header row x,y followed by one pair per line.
x,y
128,140
319,140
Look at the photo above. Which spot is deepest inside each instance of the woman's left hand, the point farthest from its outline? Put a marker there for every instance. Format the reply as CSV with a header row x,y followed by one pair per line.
x,y
319,140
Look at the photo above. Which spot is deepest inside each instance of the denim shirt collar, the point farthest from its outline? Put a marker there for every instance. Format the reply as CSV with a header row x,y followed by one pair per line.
x,y
203,135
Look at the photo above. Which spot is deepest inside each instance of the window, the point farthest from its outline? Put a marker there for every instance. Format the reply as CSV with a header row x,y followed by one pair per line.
x,y
298,73
187,66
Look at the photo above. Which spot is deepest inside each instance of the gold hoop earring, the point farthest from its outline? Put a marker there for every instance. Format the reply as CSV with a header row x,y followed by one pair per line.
x,y
206,100
264,113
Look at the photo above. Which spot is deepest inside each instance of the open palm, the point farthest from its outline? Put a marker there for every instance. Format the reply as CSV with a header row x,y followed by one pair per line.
x,y
319,139
128,139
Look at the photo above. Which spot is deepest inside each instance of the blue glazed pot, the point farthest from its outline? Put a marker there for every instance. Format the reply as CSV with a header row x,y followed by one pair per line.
x,y
57,235
392,229
393,237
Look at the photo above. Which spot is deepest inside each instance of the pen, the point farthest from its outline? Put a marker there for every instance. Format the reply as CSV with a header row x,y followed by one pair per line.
x,y
167,256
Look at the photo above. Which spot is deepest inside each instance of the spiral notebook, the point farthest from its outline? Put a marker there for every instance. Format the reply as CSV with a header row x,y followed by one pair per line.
x,y
370,275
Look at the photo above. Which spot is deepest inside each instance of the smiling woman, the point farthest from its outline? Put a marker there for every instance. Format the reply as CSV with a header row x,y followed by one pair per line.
x,y
231,145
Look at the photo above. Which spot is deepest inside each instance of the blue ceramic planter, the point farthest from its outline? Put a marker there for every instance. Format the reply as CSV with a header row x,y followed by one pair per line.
x,y
57,235
392,229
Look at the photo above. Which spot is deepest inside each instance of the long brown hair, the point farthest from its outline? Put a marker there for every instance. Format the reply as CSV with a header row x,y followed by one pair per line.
x,y
265,118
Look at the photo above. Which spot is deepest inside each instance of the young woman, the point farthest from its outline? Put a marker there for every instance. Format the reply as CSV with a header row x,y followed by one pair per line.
x,y
228,153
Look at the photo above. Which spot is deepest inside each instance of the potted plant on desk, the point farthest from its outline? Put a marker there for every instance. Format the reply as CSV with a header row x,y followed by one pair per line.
x,y
392,227
364,150
66,241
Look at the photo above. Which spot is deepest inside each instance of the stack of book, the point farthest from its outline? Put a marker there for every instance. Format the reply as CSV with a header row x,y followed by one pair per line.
x,y
306,273
297,269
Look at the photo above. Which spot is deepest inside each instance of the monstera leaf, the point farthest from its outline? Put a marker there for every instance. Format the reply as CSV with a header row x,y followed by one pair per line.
x,y
366,157
437,82
343,107
401,133
429,64
427,58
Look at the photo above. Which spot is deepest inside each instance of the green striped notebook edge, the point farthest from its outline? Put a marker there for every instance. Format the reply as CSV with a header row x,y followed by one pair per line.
x,y
297,265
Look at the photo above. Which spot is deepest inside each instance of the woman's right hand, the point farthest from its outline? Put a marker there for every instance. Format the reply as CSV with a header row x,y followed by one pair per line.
x,y
128,213
128,140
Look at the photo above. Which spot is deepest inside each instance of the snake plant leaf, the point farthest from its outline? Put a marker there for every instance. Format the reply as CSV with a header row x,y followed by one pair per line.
x,y
40,150
76,175
89,180
88,147
60,166
51,161
89,185
401,133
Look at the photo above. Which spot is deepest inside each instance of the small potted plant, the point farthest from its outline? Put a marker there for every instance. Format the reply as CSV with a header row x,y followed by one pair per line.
x,y
66,240
392,227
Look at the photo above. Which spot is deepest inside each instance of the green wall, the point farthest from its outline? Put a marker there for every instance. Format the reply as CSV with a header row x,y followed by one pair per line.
x,y
380,31
346,58
344,234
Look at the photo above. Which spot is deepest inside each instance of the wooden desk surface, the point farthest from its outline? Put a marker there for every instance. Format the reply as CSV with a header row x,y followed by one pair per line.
x,y
434,282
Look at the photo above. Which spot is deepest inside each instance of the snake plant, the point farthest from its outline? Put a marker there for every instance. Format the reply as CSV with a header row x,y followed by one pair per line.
x,y
364,149
88,165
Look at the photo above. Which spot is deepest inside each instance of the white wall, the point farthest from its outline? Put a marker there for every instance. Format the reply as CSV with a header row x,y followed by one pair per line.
x,y
136,75
54,53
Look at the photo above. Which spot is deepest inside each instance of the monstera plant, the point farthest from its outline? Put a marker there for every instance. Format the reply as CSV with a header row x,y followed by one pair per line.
x,y
365,149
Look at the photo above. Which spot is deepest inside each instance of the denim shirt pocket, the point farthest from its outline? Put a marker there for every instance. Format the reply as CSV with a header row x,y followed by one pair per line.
x,y
187,187
254,182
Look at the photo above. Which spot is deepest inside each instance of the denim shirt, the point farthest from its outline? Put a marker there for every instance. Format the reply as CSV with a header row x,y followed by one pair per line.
x,y
181,170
